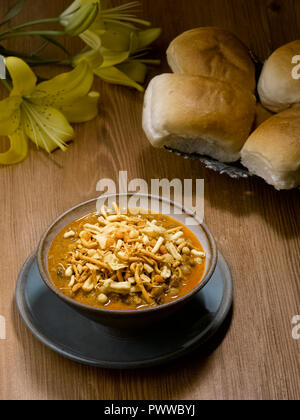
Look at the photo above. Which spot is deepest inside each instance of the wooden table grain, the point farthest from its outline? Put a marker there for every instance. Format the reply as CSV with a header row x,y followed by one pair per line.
x,y
256,228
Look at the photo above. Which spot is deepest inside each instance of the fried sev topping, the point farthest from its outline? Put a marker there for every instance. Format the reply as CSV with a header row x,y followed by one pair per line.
x,y
129,256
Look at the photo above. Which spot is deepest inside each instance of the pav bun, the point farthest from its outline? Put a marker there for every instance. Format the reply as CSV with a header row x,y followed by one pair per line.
x,y
279,83
212,52
195,114
273,150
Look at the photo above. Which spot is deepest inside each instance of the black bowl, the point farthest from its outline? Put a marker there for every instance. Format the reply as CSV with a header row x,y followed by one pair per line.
x,y
131,318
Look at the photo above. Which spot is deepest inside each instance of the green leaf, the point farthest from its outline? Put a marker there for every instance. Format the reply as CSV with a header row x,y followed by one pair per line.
x,y
15,9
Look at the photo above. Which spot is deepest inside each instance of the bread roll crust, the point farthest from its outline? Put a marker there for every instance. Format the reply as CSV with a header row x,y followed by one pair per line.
x,y
198,114
273,150
261,115
212,52
277,87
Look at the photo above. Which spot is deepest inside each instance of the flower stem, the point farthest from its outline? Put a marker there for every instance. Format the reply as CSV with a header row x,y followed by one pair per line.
x,y
153,62
47,62
24,25
40,49
34,60
30,33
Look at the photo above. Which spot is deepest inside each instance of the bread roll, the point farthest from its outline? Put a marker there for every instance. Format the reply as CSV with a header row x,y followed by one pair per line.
x,y
198,115
212,52
273,150
261,115
279,83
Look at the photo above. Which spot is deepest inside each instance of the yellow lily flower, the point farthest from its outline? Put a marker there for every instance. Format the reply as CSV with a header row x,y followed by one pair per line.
x,y
67,17
120,49
42,112
119,64
78,20
113,28
118,67
114,36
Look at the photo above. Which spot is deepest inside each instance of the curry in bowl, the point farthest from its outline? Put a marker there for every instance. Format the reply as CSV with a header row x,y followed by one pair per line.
x,y
126,261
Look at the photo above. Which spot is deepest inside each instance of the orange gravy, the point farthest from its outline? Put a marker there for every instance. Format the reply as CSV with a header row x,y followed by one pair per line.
x,y
61,247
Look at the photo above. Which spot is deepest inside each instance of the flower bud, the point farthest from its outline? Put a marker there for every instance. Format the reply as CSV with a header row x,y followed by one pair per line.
x,y
80,20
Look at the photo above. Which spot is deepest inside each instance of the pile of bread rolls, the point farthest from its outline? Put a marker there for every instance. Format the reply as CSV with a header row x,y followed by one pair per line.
x,y
208,105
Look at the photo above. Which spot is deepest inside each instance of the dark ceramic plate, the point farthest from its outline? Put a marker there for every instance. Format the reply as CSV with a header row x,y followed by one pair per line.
x,y
234,170
68,333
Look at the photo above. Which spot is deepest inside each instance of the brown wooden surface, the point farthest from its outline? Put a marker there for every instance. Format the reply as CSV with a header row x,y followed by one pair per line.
x,y
256,228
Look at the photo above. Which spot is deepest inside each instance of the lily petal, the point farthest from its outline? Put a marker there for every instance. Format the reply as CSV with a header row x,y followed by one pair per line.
x,y
147,37
93,57
67,15
117,77
23,78
91,38
10,115
65,88
18,149
71,9
111,58
118,38
85,109
81,19
135,70
46,126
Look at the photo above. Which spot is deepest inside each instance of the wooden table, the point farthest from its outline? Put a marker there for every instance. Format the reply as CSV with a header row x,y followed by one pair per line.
x,y
256,228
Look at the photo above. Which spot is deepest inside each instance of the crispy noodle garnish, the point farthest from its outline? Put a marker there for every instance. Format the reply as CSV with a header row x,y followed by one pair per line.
x,y
129,257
